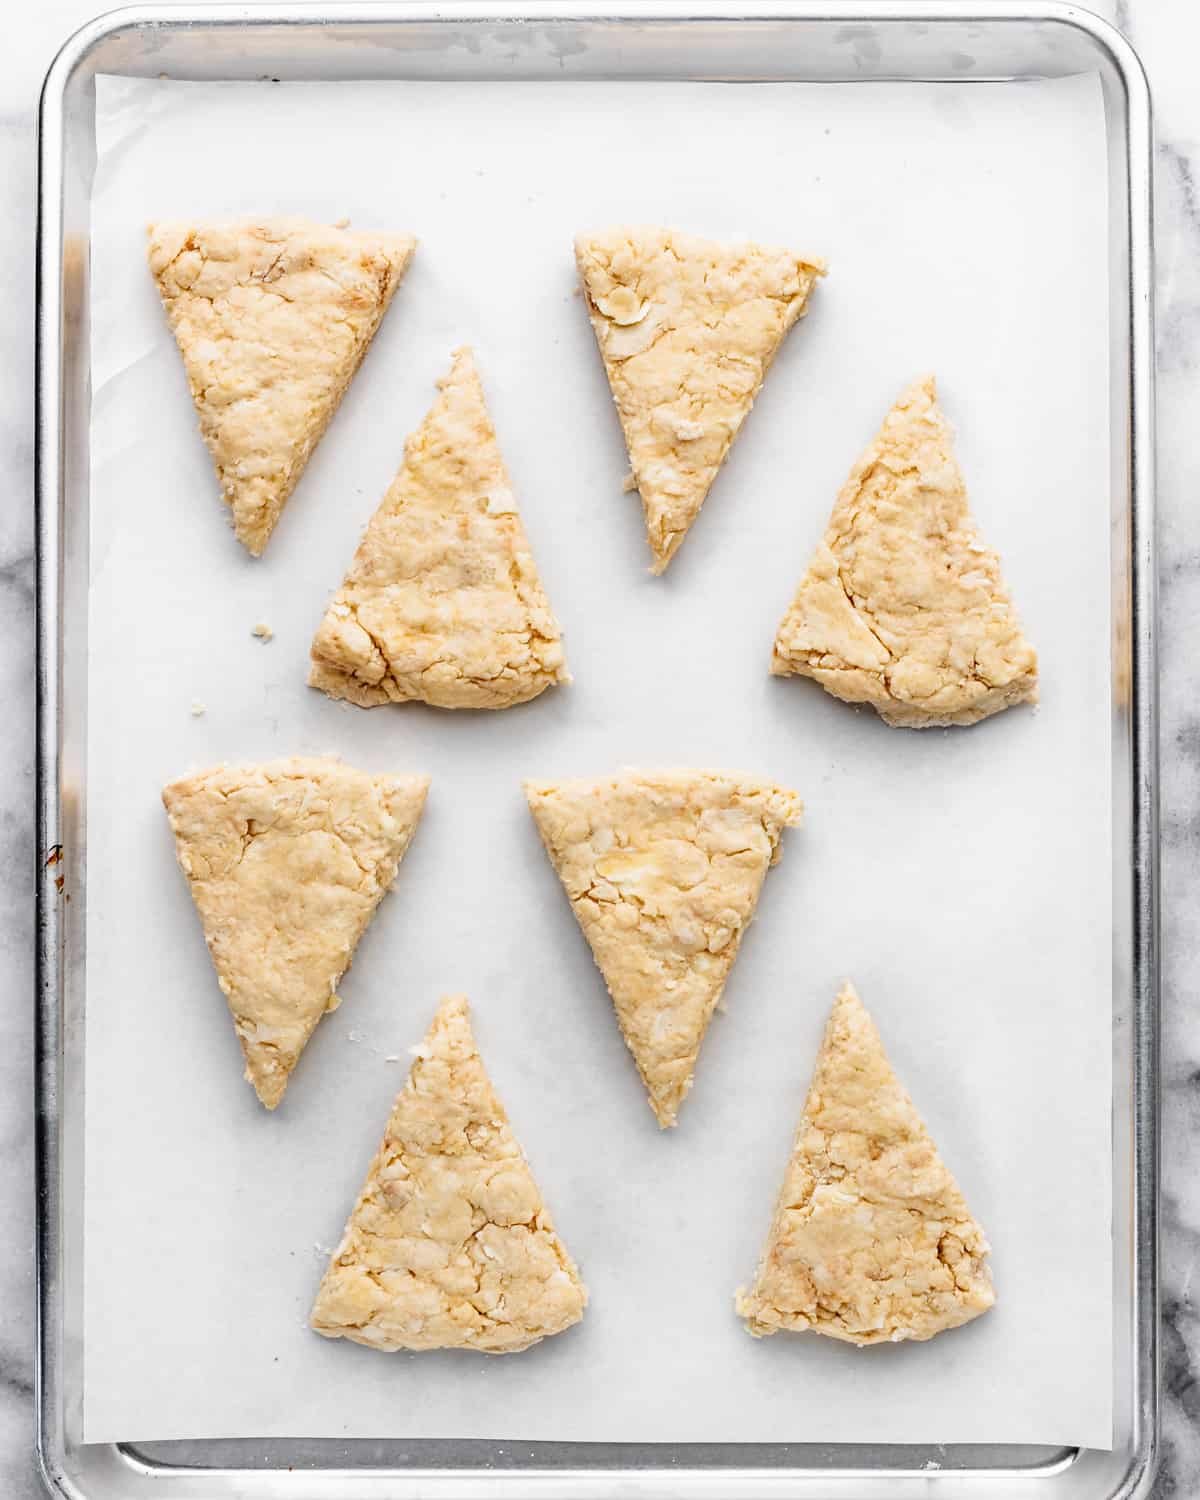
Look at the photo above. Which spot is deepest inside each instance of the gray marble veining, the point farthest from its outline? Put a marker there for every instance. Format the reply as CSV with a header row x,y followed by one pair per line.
x,y
17,1473
1163,31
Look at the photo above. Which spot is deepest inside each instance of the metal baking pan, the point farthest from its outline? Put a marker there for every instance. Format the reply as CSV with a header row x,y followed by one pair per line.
x,y
661,39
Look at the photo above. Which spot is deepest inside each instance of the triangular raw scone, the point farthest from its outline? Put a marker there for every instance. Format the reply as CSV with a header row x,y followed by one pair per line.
x,y
872,1241
443,603
663,870
286,863
450,1245
903,607
688,329
272,317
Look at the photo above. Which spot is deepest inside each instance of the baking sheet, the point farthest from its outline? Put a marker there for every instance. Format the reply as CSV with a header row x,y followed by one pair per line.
x,y
962,879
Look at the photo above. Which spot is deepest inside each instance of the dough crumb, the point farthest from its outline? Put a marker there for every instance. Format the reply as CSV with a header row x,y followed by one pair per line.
x,y
263,631
198,708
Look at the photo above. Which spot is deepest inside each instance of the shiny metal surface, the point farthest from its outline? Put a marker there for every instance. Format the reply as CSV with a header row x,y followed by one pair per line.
x,y
650,39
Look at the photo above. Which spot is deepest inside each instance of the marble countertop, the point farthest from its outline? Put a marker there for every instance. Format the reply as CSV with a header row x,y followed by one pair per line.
x,y
1162,31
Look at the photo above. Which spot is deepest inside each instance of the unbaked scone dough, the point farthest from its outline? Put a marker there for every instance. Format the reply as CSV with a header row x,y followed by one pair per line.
x,y
663,870
903,607
272,317
443,602
450,1245
687,328
872,1241
286,863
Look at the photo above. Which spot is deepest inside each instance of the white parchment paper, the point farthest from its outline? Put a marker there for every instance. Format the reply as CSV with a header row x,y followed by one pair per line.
x,y
962,879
